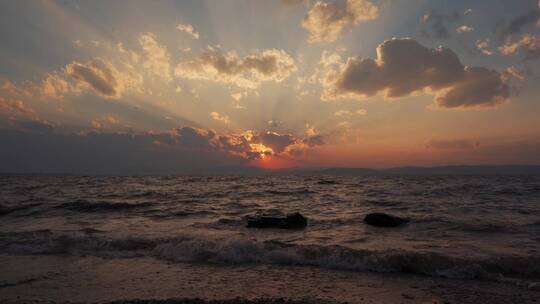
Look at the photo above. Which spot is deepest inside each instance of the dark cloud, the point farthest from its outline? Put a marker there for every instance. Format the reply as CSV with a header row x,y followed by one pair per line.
x,y
403,66
204,139
97,75
521,22
315,140
115,153
479,87
35,126
277,142
33,146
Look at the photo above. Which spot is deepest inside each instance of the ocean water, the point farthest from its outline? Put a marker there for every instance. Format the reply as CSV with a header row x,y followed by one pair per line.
x,y
463,227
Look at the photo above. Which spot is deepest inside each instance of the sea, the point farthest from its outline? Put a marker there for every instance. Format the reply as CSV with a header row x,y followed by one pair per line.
x,y
474,227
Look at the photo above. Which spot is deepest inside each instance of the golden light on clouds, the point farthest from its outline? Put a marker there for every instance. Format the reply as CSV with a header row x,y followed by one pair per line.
x,y
262,150
290,80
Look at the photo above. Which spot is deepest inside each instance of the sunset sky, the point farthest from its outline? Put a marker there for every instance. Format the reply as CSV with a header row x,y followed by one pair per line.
x,y
196,86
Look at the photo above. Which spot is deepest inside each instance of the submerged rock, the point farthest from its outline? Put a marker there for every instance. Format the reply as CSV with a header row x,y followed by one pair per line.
x,y
384,220
291,221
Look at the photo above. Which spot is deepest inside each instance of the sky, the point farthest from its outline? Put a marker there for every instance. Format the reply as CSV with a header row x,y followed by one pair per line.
x,y
203,86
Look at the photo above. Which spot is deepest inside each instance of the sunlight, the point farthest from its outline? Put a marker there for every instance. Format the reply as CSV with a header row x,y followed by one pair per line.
x,y
263,150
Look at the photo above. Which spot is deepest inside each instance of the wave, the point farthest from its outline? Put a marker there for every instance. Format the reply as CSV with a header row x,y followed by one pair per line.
x,y
6,210
191,249
291,192
471,225
102,206
149,194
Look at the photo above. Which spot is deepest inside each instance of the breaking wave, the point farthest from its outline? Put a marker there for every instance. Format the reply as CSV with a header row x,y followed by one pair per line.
x,y
242,251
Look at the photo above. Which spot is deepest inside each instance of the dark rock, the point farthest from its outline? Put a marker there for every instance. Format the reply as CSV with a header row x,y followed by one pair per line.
x,y
291,221
384,220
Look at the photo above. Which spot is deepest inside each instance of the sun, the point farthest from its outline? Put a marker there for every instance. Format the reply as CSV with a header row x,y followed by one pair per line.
x,y
263,150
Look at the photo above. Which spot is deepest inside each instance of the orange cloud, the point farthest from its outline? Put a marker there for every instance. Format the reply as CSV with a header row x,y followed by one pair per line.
x,y
529,43
188,29
325,20
247,72
155,58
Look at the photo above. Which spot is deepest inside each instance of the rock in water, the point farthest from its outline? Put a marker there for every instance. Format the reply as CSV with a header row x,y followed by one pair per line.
x,y
295,221
384,220
291,221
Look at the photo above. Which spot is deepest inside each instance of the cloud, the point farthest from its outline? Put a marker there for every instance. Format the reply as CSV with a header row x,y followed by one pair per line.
x,y
404,67
223,118
277,142
101,77
438,24
529,43
519,23
34,126
188,29
329,59
14,107
97,75
325,20
155,58
55,85
480,87
483,46
96,124
247,72
513,74
282,145
184,150
238,96
360,112
464,29
132,55
453,144
315,140
105,121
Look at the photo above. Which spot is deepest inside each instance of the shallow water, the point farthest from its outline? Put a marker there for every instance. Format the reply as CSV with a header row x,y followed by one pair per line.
x,y
475,227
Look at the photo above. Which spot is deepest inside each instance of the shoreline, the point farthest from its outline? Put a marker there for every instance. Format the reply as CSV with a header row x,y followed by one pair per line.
x,y
69,279
199,301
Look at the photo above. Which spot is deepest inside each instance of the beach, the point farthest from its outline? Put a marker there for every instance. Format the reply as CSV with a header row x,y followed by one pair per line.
x,y
53,279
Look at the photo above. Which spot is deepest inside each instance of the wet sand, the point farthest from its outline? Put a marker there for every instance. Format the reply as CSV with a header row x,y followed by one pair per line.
x,y
63,279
